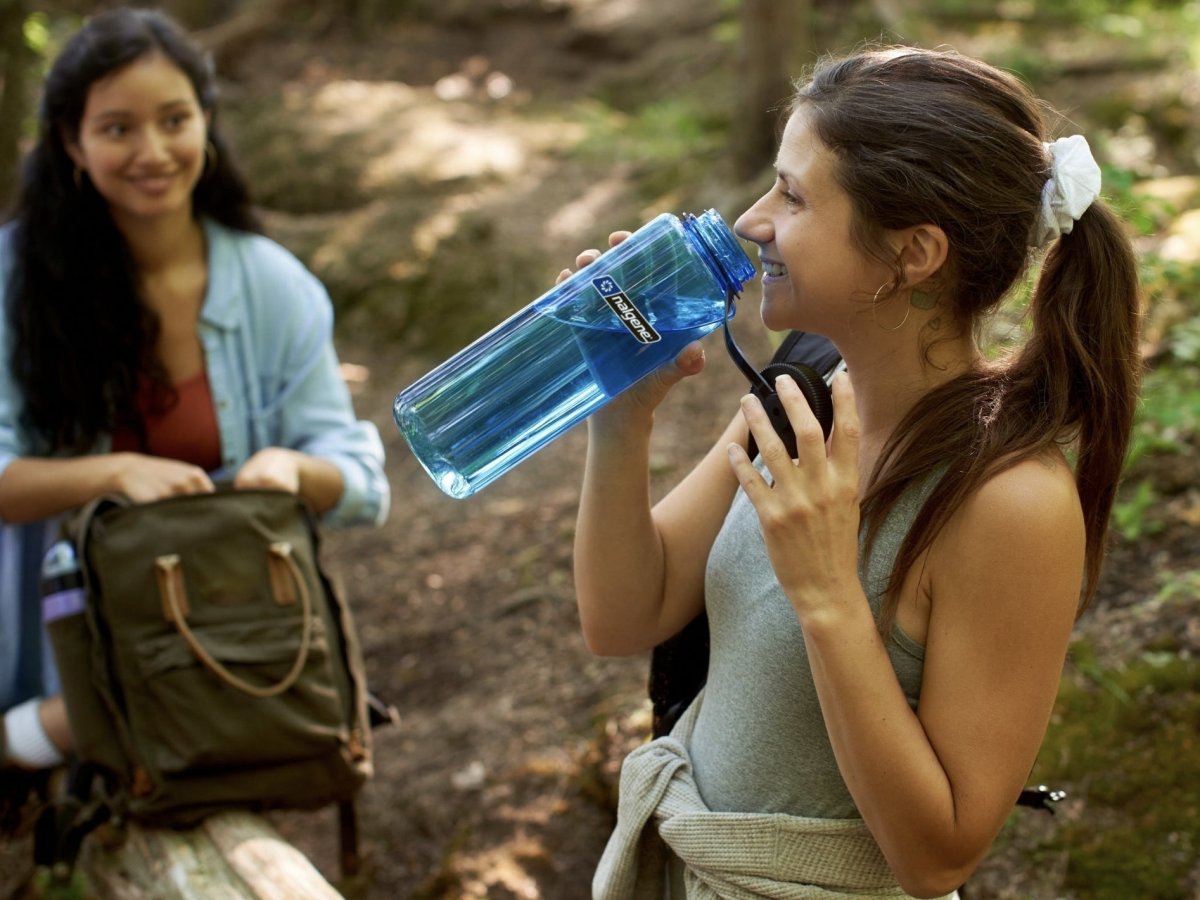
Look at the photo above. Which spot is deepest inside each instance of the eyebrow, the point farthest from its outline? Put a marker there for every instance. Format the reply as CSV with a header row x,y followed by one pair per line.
x,y
162,107
787,177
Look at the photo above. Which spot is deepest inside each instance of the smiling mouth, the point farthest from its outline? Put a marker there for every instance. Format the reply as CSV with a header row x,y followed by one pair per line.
x,y
774,269
157,178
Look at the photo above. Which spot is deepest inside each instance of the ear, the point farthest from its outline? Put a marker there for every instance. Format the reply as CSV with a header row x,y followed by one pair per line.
x,y
922,252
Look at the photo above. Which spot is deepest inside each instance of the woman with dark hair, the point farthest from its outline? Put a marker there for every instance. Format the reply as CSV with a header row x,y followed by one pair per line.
x,y
889,610
154,342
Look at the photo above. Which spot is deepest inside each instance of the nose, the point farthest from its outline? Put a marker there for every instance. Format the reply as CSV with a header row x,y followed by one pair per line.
x,y
753,225
152,147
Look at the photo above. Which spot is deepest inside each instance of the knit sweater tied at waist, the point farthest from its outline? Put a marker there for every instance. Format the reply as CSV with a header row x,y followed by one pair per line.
x,y
727,854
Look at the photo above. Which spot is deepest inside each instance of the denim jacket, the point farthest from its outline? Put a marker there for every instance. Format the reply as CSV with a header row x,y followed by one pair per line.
x,y
266,329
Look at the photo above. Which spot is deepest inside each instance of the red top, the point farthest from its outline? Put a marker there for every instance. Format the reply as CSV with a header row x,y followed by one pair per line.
x,y
186,432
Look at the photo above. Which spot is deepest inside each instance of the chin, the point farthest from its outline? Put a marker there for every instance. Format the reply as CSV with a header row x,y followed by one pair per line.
x,y
156,210
776,318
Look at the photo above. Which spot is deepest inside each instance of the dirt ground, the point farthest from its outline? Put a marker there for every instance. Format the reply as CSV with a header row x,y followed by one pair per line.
x,y
499,780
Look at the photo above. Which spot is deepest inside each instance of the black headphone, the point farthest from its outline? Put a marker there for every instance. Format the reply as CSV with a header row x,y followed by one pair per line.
x,y
762,386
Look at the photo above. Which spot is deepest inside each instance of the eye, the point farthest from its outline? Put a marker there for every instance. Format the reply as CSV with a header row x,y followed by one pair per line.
x,y
789,197
115,130
175,121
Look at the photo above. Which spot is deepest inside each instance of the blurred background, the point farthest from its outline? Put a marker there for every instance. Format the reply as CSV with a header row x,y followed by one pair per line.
x,y
436,162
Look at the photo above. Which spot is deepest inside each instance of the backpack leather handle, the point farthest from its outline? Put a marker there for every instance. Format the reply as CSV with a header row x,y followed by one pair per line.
x,y
169,570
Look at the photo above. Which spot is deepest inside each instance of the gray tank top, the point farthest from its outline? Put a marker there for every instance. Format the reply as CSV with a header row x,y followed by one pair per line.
x,y
759,743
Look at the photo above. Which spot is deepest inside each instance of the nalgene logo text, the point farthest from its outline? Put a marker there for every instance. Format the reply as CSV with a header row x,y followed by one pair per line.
x,y
628,314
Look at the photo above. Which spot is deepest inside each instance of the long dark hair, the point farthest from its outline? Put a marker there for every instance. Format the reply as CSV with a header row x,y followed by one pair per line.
x,y
932,136
81,340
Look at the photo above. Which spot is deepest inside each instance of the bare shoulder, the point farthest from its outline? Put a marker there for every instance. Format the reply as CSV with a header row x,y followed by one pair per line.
x,y
1031,502
1024,524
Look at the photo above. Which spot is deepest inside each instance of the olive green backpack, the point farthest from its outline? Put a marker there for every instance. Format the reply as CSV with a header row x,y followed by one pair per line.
x,y
211,663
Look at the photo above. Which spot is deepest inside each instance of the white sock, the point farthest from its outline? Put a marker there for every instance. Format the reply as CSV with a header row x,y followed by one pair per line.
x,y
27,743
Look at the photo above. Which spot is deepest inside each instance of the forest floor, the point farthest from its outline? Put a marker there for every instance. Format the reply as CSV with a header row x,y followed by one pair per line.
x,y
499,780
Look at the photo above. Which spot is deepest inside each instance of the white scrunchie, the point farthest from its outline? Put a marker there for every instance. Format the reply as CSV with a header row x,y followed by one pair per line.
x,y
1073,185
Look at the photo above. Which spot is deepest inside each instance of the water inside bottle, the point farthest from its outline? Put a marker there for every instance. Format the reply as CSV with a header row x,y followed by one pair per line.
x,y
499,406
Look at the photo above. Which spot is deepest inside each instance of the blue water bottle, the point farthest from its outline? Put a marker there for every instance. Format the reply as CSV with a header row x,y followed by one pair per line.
x,y
569,352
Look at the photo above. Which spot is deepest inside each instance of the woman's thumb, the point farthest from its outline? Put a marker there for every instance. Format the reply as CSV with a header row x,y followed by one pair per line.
x,y
689,361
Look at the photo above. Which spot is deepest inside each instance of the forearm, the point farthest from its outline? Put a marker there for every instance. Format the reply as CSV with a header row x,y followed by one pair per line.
x,y
900,787
618,557
640,569
33,489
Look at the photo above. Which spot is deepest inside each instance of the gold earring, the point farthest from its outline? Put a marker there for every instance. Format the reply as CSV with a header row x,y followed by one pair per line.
x,y
875,304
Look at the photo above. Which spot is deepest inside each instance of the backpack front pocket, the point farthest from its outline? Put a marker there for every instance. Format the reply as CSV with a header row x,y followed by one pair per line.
x,y
202,721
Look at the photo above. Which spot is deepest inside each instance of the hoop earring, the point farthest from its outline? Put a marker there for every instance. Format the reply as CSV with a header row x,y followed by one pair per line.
x,y
875,304
210,157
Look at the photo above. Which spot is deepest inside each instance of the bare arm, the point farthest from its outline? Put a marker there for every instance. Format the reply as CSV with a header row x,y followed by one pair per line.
x,y
1004,587
32,488
1003,581
639,572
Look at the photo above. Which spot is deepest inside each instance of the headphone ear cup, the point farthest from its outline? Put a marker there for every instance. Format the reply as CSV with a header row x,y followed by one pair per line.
x,y
812,385
815,391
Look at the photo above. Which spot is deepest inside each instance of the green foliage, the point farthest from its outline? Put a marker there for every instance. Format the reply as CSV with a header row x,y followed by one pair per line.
x,y
1127,742
1168,280
1132,515
674,141
1178,587
1136,34
1169,412
37,33
1145,214
45,885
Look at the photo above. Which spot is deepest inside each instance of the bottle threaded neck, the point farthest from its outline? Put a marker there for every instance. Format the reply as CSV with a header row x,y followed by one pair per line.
x,y
722,252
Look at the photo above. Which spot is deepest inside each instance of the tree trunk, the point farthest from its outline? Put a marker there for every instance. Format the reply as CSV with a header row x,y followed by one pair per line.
x,y
16,68
252,20
776,34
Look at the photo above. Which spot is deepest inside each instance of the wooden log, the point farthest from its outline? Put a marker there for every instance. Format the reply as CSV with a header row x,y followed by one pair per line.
x,y
232,855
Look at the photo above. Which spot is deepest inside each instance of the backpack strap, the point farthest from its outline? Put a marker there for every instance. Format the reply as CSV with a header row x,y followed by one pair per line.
x,y
813,350
64,821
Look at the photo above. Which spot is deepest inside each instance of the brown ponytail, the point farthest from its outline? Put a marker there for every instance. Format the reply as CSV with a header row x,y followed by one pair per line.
x,y
931,136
